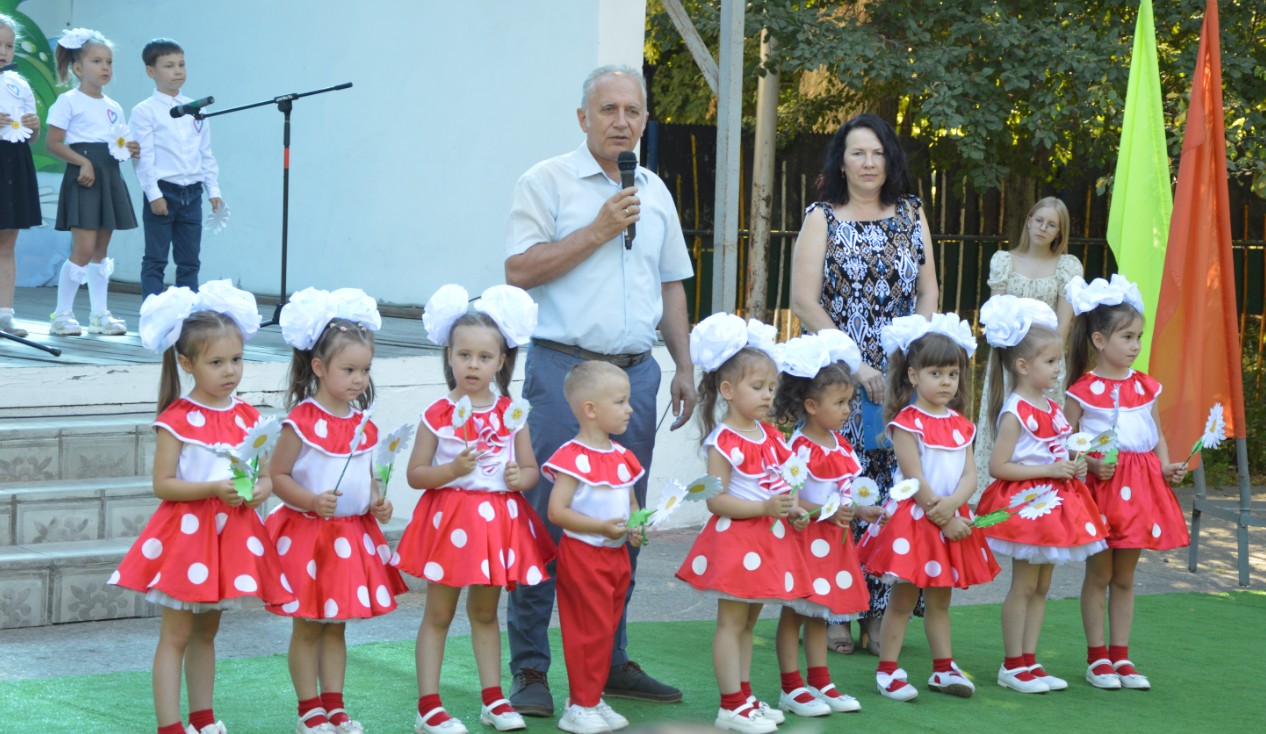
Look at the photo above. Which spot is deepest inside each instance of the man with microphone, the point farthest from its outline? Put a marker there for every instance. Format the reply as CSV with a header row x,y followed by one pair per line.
x,y
175,168
602,252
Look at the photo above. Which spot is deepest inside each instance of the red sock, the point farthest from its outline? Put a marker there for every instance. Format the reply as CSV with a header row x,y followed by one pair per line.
x,y
820,678
890,667
1117,653
942,665
745,686
333,705
427,704
1030,659
1018,662
200,720
731,701
176,728
791,681
306,715
493,693
1094,654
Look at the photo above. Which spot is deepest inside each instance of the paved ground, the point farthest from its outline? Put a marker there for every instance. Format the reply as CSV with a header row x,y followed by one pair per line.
x,y
99,647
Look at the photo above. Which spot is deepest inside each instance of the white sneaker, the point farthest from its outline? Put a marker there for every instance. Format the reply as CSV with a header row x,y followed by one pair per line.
x,y
1052,682
509,721
764,709
885,683
103,322
8,327
1010,678
745,719
839,703
954,683
611,716
583,720
64,324
812,707
453,725
1106,681
1136,680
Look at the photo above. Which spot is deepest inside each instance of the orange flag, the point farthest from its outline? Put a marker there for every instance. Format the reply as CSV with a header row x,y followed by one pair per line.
x,y
1195,338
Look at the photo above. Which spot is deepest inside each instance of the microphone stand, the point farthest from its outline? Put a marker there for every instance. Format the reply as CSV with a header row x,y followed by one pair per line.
x,y
284,104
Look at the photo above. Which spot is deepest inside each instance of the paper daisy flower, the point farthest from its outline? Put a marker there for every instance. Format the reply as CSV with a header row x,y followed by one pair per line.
x,y
1214,428
118,142
830,507
795,470
703,488
865,492
15,131
1080,443
360,429
260,439
670,498
1019,499
1043,505
517,413
904,489
393,444
462,411
217,220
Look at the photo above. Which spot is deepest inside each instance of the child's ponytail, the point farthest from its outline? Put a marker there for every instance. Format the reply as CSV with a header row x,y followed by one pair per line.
x,y
168,380
65,57
199,328
709,393
998,359
899,388
71,46
1079,346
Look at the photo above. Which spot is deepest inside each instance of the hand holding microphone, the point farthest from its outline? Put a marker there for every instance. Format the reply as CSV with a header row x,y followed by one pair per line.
x,y
627,163
189,108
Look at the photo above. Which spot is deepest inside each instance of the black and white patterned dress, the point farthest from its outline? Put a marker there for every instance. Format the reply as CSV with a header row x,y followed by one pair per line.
x,y
870,277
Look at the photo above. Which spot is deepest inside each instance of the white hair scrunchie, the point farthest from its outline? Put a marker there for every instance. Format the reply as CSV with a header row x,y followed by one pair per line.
x,y
307,313
715,339
1084,297
841,348
445,306
163,314
1007,319
512,309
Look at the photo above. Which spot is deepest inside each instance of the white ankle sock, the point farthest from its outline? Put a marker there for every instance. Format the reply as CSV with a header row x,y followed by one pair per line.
x,y
68,285
99,284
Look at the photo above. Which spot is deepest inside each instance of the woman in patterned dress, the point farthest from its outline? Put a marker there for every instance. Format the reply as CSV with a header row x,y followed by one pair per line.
x,y
864,257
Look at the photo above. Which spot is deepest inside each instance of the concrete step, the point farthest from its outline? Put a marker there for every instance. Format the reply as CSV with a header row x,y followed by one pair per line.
x,y
85,509
59,582
60,449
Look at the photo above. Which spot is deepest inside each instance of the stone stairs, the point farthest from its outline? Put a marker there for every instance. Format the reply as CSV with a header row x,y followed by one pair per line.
x,y
74,494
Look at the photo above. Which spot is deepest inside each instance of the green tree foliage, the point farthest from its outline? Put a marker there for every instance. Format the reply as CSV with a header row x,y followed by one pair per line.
x,y
999,90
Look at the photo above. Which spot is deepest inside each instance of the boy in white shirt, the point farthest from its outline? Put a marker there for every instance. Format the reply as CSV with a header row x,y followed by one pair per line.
x,y
591,501
175,168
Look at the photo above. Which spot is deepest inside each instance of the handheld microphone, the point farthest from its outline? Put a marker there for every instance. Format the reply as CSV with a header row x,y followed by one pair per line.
x,y
187,108
628,164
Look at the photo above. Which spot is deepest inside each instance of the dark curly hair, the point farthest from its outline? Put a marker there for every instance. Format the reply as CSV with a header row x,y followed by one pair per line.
x,y
833,187
793,391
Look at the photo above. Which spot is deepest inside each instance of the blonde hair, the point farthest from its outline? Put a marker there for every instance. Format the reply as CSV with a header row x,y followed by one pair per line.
x,y
1059,245
1002,361
66,57
735,368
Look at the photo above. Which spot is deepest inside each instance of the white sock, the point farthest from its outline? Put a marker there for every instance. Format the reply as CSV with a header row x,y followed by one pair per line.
x,y
98,284
68,285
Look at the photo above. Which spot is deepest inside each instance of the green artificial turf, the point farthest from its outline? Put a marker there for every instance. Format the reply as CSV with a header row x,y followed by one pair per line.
x,y
1203,653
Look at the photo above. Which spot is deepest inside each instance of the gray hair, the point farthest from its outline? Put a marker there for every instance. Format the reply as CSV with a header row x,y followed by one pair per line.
x,y
608,70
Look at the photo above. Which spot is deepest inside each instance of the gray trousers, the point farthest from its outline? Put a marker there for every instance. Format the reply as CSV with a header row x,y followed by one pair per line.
x,y
552,424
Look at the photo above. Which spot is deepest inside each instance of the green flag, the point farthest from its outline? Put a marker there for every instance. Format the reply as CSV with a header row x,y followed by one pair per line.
x,y
1138,219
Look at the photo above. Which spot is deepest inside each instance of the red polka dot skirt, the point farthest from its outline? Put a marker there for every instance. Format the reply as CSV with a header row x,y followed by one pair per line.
x,y
470,538
756,559
1061,527
911,548
1138,506
203,553
337,567
835,576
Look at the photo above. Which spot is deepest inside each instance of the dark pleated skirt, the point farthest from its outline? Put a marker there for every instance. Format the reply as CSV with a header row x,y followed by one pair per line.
x,y
105,204
19,191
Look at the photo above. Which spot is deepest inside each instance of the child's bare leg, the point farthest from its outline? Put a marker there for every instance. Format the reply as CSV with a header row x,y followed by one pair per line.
x,y
1121,598
304,657
1037,608
441,603
1094,591
745,642
815,632
200,660
727,642
892,634
485,633
169,656
332,657
936,621
1024,578
787,640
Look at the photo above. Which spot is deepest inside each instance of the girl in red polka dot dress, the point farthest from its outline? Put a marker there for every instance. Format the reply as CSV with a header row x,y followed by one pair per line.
x,y
815,391
1054,520
740,557
205,549
327,533
472,529
926,541
1134,494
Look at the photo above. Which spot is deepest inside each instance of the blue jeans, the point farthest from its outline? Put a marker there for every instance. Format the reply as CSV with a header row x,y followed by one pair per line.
x,y
552,424
180,231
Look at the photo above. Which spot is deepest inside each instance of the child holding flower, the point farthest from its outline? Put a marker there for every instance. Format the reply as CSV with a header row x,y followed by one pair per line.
x,y
332,550
1134,491
86,129
926,541
1058,520
205,548
815,391
591,501
472,528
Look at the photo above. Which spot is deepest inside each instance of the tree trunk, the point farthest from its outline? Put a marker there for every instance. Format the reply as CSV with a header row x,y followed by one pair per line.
x,y
1019,193
762,188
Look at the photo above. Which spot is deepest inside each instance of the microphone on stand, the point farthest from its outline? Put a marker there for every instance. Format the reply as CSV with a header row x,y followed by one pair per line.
x,y
627,163
189,108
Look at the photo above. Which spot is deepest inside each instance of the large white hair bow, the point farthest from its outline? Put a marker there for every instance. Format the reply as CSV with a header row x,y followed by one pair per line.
x,y
803,356
513,310
1007,319
308,312
762,336
715,339
445,306
75,38
1085,297
163,314
841,348
905,330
